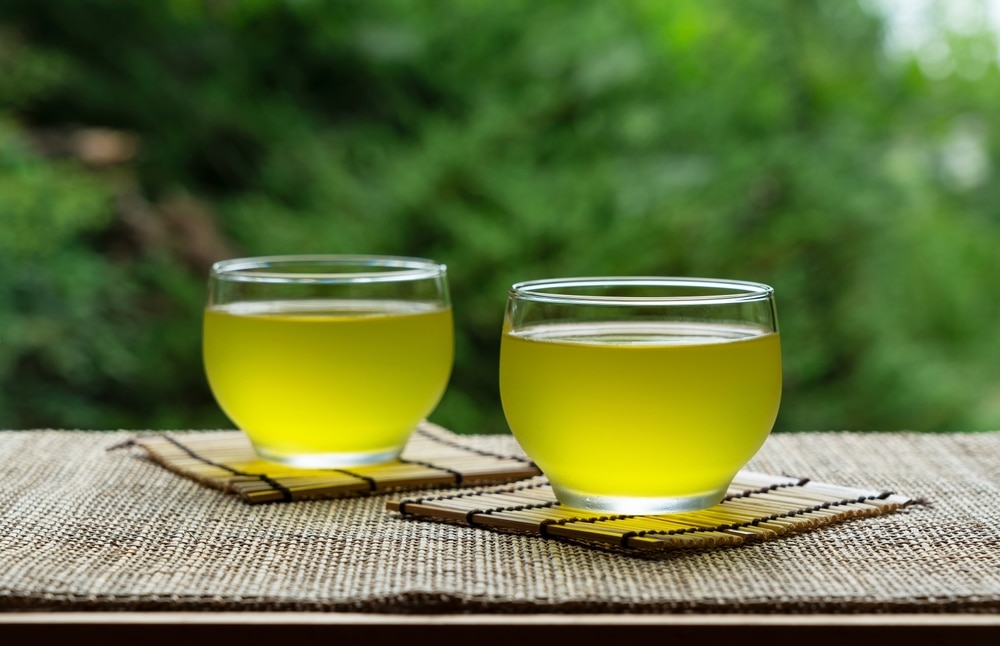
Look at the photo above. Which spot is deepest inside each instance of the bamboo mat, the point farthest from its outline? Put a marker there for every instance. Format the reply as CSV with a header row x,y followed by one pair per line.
x,y
433,457
757,507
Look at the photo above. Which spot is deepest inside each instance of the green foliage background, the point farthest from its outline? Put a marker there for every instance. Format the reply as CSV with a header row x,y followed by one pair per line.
x,y
765,140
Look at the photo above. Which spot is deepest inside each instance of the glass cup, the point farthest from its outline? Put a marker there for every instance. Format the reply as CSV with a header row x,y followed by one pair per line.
x,y
640,395
327,361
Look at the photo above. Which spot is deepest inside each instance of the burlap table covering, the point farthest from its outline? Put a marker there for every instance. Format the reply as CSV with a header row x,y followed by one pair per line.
x,y
82,528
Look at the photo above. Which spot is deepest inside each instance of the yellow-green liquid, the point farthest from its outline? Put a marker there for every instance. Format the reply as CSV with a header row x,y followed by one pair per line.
x,y
640,410
334,380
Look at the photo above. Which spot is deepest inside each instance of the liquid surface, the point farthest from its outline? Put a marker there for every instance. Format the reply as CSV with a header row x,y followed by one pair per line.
x,y
314,377
640,410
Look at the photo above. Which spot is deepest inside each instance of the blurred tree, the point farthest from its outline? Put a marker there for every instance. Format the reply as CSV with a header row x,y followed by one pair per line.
x,y
769,141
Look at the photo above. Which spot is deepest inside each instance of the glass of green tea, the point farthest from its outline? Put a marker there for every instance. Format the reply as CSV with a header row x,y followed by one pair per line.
x,y
327,361
640,395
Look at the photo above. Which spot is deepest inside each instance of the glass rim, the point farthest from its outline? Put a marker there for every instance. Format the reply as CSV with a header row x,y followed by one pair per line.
x,y
732,290
280,269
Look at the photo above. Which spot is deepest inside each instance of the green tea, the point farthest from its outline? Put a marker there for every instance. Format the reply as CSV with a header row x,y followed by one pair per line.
x,y
640,410
328,378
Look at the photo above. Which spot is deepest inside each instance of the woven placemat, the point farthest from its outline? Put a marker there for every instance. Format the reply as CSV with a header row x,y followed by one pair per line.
x,y
87,529
757,507
433,457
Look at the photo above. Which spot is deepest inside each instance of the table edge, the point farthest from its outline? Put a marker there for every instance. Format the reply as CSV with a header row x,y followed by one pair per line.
x,y
480,619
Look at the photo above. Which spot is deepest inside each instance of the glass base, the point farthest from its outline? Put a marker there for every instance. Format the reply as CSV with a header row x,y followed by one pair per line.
x,y
328,460
637,505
